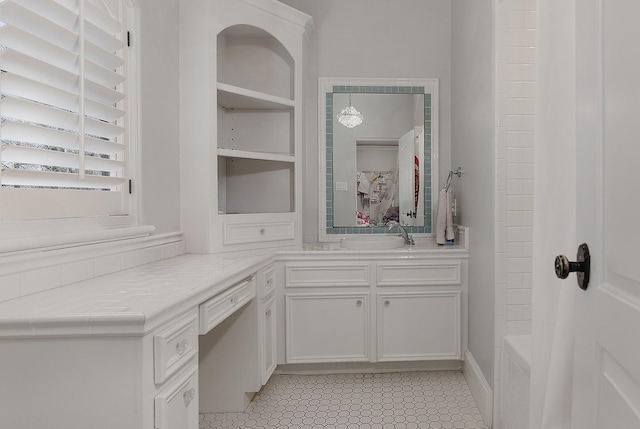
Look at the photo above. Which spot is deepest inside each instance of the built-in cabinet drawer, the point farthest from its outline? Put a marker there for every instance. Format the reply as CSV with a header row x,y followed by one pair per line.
x,y
218,308
176,406
327,327
174,345
418,325
337,274
252,232
268,282
419,273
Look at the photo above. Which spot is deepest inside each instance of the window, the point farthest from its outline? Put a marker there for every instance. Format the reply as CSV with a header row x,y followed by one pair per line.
x,y
67,84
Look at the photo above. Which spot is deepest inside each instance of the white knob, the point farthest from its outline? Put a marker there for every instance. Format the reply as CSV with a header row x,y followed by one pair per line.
x,y
182,346
262,231
359,303
387,303
188,396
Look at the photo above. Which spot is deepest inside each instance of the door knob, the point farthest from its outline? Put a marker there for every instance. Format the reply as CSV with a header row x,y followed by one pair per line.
x,y
581,267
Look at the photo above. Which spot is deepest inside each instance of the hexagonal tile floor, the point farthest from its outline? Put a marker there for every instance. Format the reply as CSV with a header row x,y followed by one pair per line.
x,y
405,400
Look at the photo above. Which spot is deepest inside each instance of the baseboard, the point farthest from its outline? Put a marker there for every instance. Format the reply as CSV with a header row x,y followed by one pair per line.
x,y
480,388
366,367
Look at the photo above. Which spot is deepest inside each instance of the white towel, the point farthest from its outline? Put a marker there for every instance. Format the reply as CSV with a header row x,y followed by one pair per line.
x,y
444,221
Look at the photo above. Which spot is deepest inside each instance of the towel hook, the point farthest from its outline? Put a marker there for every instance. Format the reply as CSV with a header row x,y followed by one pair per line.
x,y
457,172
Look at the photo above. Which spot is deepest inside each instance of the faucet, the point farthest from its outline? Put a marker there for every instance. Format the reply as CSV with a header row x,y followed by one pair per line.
x,y
408,239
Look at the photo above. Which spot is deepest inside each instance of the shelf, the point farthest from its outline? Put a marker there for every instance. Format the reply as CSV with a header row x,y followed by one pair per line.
x,y
264,156
234,97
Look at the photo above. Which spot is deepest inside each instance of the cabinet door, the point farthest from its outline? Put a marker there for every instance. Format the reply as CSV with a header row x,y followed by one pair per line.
x,y
327,327
176,406
268,340
418,325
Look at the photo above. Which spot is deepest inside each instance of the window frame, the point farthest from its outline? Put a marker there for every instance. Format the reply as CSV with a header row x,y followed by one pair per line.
x,y
29,234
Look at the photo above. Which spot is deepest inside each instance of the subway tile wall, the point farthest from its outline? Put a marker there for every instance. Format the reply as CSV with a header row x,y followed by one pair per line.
x,y
515,45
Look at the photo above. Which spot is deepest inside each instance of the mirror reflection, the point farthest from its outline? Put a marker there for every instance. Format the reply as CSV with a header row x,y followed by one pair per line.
x,y
377,164
380,169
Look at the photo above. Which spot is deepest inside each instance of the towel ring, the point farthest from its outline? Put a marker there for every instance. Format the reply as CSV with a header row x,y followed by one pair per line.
x,y
457,172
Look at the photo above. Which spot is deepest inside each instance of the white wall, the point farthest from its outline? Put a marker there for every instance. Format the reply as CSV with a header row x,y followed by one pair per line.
x,y
410,38
473,149
159,115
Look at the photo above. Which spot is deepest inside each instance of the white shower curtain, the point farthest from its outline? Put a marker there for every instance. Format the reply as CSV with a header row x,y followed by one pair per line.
x,y
554,210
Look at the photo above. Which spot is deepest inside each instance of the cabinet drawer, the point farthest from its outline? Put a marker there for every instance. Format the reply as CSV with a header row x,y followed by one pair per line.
x,y
218,308
239,233
176,406
422,274
327,275
268,282
174,345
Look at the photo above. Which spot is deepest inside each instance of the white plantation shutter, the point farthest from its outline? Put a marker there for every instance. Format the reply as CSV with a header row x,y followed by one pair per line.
x,y
64,109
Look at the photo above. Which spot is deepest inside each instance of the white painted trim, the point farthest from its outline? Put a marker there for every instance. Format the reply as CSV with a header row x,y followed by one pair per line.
x,y
479,387
70,239
16,262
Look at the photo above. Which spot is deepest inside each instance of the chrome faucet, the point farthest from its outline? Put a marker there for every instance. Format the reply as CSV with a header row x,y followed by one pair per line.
x,y
408,239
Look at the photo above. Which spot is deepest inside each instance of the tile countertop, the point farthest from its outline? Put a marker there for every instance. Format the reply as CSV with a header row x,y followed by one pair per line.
x,y
130,302
138,300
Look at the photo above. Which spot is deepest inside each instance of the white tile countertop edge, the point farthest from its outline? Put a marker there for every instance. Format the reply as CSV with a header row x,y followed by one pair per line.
x,y
130,302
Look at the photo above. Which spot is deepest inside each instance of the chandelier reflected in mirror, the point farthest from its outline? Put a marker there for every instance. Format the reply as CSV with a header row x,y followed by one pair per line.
x,y
350,117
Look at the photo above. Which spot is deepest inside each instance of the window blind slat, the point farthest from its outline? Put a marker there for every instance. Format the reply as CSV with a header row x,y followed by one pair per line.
x,y
106,41
100,111
63,12
26,133
28,111
102,76
39,25
102,129
101,19
68,180
28,44
16,85
28,155
14,62
98,55
102,94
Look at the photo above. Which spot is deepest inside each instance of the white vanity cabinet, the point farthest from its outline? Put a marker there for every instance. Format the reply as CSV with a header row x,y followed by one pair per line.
x,y
241,92
351,308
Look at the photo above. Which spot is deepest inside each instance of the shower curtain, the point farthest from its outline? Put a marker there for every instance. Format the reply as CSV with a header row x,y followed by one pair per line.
x,y
554,217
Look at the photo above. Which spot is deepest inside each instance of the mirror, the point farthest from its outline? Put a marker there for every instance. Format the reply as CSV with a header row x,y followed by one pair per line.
x,y
384,168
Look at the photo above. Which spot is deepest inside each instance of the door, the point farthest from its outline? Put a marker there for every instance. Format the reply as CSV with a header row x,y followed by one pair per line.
x,y
406,178
606,382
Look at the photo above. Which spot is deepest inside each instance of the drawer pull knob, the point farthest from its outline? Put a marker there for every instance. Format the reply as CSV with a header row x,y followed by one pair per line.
x,y
387,303
182,346
268,313
188,396
262,231
359,303
234,300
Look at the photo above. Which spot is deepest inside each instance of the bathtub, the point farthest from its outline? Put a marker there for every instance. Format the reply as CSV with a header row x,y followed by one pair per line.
x,y
516,371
